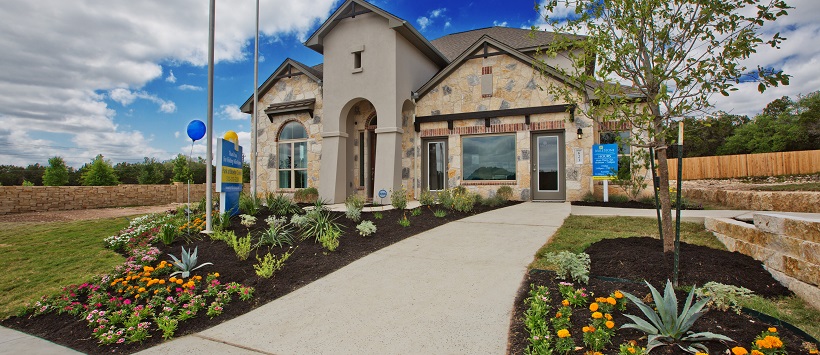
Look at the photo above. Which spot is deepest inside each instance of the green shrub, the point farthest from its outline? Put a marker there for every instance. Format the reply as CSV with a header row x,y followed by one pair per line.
x,y
426,198
415,212
494,201
404,222
280,205
270,264
618,198
278,234
241,246
723,297
27,183
445,199
299,220
168,233
308,195
504,192
366,228
647,200
589,197
398,199
464,201
440,213
354,205
225,236
330,239
570,265
460,189
249,204
222,221
378,215
320,223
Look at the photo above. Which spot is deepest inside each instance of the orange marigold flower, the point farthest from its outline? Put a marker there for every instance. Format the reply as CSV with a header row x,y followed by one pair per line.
x,y
739,350
774,341
179,281
162,282
585,329
565,303
814,351
600,299
700,353
631,350
197,277
141,289
609,324
563,333
216,274
558,315
597,315
619,295
773,330
611,301
608,316
593,306
756,352
173,279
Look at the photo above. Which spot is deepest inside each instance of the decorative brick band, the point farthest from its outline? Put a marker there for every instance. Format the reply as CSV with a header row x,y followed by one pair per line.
x,y
542,126
615,126
437,132
487,182
498,128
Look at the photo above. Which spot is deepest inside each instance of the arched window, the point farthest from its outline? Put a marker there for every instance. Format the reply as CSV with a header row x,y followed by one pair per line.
x,y
292,156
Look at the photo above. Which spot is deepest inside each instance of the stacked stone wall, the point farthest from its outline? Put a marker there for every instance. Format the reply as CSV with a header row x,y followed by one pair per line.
x,y
19,199
784,201
788,246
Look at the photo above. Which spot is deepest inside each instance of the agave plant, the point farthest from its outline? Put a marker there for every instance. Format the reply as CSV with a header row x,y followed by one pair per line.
x,y
666,326
187,264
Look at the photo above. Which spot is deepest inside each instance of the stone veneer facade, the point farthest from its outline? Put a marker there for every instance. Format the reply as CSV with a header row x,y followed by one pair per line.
x,y
288,89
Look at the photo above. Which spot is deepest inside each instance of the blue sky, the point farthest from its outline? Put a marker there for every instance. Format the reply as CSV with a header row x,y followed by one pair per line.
x,y
124,78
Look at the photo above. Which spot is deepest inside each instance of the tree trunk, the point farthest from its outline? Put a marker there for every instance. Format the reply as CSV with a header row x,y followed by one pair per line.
x,y
668,236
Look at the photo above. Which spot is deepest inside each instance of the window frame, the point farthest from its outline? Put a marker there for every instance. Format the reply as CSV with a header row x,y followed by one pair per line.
x,y
292,143
514,159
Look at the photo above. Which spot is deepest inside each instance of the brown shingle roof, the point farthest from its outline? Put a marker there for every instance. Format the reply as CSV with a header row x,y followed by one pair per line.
x,y
453,44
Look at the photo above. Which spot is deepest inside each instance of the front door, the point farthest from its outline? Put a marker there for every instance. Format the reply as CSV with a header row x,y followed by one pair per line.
x,y
434,164
548,177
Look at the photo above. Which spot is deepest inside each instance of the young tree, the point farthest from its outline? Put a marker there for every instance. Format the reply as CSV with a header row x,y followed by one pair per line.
x,y
56,173
152,172
182,173
99,173
658,60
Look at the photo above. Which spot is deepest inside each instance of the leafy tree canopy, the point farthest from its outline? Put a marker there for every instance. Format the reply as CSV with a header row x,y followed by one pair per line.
x,y
99,173
56,173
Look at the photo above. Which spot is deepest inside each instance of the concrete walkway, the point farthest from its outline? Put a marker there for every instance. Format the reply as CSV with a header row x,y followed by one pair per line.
x,y
14,342
449,290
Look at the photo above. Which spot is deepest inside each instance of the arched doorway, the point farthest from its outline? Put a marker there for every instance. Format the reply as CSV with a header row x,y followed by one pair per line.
x,y
370,128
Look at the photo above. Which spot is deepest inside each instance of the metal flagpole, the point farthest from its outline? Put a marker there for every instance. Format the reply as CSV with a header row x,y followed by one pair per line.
x,y
255,100
210,125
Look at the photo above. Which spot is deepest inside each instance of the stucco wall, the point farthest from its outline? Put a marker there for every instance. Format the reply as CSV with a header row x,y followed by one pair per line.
x,y
516,85
288,89
18,199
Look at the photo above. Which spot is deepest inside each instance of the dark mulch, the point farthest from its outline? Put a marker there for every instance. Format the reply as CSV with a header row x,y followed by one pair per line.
x,y
308,263
642,258
633,204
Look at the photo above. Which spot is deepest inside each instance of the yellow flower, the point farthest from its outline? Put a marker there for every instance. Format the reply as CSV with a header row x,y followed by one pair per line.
x,y
814,351
611,301
773,330
565,303
216,274
609,324
593,307
585,329
141,289
597,315
619,295
563,333
756,352
739,350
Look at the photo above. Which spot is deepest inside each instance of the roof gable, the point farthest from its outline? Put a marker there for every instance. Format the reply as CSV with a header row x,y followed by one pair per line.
x,y
486,42
285,70
521,39
353,8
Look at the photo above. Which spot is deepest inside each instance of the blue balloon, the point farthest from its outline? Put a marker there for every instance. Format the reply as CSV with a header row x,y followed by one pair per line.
x,y
196,130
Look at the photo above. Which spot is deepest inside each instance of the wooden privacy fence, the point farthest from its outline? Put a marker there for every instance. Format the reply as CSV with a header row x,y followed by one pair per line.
x,y
735,166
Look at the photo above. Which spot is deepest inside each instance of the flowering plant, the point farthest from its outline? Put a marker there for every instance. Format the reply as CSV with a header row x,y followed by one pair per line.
x,y
768,343
576,298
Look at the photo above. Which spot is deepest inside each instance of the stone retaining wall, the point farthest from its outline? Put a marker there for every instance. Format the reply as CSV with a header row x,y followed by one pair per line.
x,y
784,201
19,199
788,246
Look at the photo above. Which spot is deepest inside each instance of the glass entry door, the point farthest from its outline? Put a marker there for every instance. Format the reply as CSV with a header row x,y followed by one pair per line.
x,y
548,178
434,164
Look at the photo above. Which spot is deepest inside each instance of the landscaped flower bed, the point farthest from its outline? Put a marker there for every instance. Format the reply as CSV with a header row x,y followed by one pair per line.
x,y
142,302
590,316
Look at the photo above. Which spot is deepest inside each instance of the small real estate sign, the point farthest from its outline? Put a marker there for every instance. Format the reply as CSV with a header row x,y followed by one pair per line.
x,y
604,161
228,175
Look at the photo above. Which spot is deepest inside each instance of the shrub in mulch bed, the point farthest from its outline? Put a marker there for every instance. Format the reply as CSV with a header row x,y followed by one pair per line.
x,y
622,264
308,263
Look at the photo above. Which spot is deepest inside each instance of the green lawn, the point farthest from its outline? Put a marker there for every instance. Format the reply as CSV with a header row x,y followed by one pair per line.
x,y
579,232
40,258
806,186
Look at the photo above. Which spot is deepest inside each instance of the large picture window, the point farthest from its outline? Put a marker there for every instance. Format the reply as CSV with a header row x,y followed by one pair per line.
x,y
488,157
293,156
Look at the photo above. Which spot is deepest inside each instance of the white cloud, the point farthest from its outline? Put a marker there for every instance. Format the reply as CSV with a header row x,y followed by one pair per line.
x,y
171,78
425,21
176,134
447,24
187,87
500,24
232,112
126,97
58,65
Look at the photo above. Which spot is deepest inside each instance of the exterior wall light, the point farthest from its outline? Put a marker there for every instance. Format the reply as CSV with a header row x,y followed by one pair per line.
x,y
580,133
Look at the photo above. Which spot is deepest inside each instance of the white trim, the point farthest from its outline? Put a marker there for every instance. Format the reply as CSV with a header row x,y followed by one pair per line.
x,y
334,134
389,130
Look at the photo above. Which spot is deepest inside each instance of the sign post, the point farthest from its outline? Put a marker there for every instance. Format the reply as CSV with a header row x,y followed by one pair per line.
x,y
604,164
228,175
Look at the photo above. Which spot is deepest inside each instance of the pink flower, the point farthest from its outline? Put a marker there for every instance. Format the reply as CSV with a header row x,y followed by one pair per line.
x,y
127,302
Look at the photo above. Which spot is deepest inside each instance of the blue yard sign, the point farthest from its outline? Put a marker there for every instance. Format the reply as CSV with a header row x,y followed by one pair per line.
x,y
228,175
604,161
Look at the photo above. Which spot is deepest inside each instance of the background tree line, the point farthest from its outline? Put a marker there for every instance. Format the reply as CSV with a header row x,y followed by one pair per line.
x,y
784,125
101,172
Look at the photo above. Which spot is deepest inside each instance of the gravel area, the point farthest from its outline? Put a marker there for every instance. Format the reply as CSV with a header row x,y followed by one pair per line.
x,y
80,215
